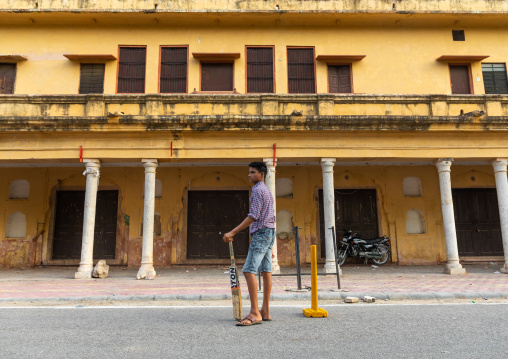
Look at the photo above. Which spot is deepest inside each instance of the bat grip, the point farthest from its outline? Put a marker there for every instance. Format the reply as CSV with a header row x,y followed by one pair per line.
x,y
231,252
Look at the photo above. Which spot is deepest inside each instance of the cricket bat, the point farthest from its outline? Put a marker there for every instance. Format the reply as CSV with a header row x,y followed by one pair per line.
x,y
236,294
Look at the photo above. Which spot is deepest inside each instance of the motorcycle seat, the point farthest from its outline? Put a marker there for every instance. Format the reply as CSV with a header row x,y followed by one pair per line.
x,y
372,240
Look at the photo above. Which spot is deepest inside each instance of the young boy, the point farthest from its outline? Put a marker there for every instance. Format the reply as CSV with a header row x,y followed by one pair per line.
x,y
261,220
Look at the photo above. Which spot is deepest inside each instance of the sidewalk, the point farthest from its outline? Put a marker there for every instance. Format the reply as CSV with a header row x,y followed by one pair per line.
x,y
212,283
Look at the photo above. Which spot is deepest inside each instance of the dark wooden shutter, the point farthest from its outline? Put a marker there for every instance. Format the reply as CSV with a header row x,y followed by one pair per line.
x,y
259,69
339,78
301,77
7,78
131,70
216,76
459,75
495,79
173,70
92,78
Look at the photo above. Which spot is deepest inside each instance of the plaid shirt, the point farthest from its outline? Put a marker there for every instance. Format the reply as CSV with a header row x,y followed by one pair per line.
x,y
261,207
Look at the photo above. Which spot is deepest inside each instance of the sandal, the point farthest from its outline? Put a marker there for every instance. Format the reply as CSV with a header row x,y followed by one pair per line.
x,y
252,321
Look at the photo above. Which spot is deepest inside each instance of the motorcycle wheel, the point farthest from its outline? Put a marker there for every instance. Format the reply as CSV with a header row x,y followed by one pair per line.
x,y
342,256
385,251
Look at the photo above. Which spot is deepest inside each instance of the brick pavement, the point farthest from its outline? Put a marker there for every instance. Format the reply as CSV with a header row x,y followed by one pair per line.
x,y
195,283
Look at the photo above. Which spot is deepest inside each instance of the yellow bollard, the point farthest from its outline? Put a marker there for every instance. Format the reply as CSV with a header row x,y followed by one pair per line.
x,y
314,312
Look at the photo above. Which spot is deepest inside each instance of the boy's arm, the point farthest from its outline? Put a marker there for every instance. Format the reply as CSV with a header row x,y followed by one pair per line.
x,y
228,237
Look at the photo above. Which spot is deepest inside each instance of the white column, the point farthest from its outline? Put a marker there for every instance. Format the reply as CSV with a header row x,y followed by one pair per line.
x,y
502,199
147,271
329,212
270,183
92,174
452,252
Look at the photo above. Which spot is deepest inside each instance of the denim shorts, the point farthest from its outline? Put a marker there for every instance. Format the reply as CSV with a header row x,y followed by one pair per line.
x,y
260,251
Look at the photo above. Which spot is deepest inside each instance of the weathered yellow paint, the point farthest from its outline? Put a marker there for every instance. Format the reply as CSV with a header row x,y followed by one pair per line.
x,y
401,112
387,180
388,68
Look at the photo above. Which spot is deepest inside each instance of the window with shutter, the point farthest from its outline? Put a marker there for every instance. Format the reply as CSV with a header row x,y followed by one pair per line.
x,y
91,78
260,70
339,78
301,75
173,74
131,70
7,78
216,76
495,79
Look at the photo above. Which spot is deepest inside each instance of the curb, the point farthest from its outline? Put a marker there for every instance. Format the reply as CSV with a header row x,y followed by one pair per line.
x,y
275,297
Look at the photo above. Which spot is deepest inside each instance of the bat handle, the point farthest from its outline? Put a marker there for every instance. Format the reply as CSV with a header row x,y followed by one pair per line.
x,y
231,253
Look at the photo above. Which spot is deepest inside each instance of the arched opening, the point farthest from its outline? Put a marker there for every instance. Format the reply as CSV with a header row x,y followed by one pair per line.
x,y
412,187
19,189
16,225
415,222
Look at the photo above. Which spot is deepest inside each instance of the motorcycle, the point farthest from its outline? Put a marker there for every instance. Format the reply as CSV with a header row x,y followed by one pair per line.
x,y
354,245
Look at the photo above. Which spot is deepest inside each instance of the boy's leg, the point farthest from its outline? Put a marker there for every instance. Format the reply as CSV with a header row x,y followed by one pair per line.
x,y
267,289
252,285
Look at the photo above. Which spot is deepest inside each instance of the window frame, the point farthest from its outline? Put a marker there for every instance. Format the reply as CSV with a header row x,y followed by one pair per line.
x,y
273,67
103,77
287,65
216,62
15,64
160,69
483,77
470,76
118,70
350,76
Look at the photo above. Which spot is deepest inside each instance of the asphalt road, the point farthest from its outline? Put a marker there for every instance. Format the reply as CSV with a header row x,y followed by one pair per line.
x,y
350,331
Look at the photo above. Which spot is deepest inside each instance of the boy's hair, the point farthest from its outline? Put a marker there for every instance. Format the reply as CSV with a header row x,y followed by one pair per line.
x,y
260,166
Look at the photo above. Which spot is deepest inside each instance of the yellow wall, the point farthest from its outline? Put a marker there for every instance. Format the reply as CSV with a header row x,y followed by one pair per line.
x,y
399,60
170,248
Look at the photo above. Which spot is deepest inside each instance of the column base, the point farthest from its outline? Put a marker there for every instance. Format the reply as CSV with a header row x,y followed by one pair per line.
x,y
275,268
330,268
84,272
504,269
454,269
146,272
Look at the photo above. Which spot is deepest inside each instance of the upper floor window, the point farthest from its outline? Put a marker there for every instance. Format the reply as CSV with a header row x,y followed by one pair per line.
x,y
260,70
458,35
339,78
460,77
91,78
494,78
173,71
301,70
7,78
216,76
131,70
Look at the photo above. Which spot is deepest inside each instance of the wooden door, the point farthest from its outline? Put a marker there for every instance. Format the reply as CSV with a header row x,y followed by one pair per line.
x,y
69,225
339,79
477,222
210,215
216,76
459,76
7,78
355,209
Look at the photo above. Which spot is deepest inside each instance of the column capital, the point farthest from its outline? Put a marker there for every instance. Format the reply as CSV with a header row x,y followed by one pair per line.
x,y
327,164
92,162
443,164
150,164
499,165
269,162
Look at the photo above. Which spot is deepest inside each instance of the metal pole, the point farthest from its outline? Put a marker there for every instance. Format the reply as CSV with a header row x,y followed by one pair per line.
x,y
298,269
336,258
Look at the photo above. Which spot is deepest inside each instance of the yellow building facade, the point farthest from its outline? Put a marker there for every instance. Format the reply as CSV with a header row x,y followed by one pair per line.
x,y
398,110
